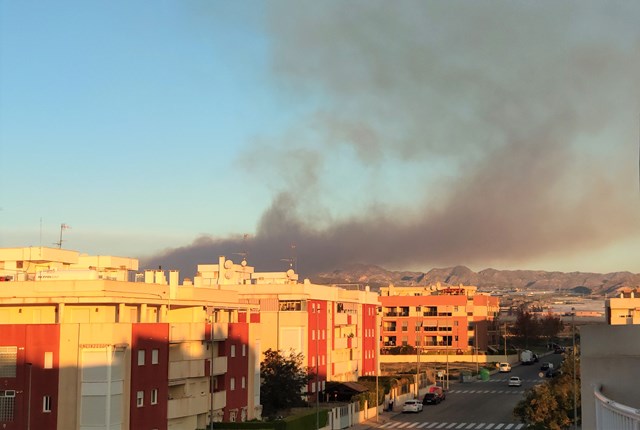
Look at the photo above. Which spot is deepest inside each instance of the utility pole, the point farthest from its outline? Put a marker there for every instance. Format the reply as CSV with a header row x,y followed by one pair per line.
x,y
575,370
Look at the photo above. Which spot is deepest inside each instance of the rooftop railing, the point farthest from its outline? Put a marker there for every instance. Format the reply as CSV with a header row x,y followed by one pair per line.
x,y
614,415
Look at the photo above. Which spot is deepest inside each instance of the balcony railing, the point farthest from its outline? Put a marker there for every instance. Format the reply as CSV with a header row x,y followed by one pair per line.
x,y
614,415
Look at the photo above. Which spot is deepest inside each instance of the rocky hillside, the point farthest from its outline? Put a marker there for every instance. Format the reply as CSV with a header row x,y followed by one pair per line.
x,y
488,279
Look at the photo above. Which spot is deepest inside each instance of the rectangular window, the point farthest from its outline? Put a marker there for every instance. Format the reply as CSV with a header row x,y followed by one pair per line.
x,y
244,350
313,335
140,399
48,360
7,405
8,361
141,357
46,404
154,396
233,350
244,382
232,384
154,355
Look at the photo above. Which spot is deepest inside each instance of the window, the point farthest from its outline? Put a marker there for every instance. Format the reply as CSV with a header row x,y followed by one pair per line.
x,y
141,357
48,360
244,350
244,382
8,361
154,396
154,355
313,361
7,404
233,350
46,404
140,399
313,335
232,384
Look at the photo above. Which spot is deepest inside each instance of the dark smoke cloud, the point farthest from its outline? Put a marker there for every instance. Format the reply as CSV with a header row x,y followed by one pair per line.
x,y
532,108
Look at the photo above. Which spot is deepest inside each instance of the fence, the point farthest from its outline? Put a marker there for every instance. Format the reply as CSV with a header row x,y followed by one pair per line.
x,y
613,415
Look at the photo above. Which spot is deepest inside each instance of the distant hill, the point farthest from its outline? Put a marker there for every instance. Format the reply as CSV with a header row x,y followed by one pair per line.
x,y
488,279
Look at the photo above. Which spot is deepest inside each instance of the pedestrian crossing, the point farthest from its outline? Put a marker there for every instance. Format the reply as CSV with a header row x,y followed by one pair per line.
x,y
505,391
451,426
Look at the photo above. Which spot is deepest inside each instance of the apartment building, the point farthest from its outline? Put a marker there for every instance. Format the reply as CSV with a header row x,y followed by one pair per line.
x,y
85,343
334,328
624,308
437,317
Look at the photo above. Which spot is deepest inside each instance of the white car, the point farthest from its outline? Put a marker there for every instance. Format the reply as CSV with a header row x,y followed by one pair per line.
x,y
504,367
412,406
515,381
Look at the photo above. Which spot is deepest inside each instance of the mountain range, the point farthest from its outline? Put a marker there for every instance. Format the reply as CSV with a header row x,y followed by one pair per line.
x,y
487,279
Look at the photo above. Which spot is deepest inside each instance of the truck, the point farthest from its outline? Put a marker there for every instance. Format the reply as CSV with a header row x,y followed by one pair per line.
x,y
528,357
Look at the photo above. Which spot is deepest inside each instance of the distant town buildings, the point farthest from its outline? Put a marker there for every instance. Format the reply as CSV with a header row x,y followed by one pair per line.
x,y
623,309
437,317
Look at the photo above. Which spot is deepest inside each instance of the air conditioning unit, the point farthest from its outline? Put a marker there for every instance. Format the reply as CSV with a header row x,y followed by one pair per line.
x,y
9,393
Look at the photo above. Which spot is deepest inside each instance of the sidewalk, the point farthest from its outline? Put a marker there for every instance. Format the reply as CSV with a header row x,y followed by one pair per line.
x,y
375,422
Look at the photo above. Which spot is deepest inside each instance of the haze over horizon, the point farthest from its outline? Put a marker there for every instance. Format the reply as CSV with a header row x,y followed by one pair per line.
x,y
410,135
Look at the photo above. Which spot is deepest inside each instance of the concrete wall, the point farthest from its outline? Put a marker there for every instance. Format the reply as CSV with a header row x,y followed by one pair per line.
x,y
610,357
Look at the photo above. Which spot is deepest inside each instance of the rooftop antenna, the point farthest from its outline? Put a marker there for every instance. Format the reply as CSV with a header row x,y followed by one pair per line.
x,y
63,227
293,263
244,252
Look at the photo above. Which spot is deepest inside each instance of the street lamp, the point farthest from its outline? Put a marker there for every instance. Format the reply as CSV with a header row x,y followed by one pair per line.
x,y
575,370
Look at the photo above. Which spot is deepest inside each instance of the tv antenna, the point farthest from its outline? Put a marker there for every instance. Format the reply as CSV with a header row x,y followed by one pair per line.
x,y
244,254
63,227
293,261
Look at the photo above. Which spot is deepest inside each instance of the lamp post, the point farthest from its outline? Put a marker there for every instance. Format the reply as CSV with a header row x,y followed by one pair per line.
x,y
575,370
317,368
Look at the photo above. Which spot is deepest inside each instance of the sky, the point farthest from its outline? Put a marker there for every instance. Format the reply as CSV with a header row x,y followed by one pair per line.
x,y
409,134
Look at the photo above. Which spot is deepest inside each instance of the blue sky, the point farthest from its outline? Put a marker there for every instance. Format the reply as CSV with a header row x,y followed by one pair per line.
x,y
408,134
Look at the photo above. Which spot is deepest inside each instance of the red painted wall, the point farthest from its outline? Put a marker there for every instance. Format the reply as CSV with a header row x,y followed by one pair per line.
x,y
369,341
317,322
237,368
147,337
32,340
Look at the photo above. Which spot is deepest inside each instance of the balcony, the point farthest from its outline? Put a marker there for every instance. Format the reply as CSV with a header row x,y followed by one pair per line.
x,y
219,366
186,369
613,415
220,331
188,406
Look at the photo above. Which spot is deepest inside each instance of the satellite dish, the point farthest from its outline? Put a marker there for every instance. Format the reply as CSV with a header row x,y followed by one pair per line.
x,y
290,273
243,263
228,264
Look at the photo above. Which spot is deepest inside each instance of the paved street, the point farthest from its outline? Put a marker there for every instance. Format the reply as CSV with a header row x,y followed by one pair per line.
x,y
478,405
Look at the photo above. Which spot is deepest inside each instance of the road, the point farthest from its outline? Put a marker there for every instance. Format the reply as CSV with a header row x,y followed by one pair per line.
x,y
479,405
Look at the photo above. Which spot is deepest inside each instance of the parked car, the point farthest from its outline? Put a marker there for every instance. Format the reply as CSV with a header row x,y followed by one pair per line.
x,y
551,373
414,405
434,396
515,381
546,366
504,367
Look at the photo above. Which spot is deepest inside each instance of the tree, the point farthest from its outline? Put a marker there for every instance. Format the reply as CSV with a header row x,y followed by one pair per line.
x,y
549,406
526,325
283,378
550,326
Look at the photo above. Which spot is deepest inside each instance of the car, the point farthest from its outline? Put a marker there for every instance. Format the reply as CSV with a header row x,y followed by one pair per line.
x,y
546,366
434,396
504,367
515,381
414,405
551,373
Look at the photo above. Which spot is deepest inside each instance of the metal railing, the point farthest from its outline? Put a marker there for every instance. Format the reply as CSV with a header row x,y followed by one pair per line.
x,y
614,415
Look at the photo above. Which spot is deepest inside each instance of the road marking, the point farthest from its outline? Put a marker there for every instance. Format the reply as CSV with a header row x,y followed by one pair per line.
x,y
490,425
413,425
442,425
481,425
471,425
423,424
451,425
461,425
403,425
499,426
433,425
519,426
508,426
